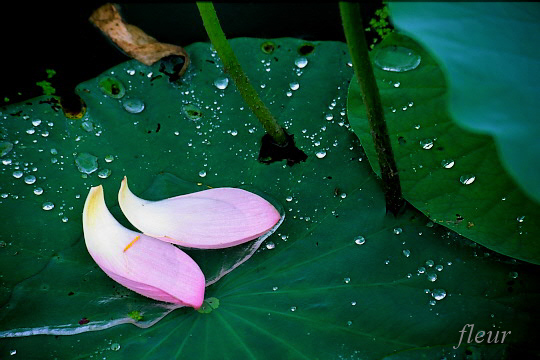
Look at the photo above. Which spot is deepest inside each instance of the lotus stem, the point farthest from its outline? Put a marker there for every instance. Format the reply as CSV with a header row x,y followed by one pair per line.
x,y
234,69
358,49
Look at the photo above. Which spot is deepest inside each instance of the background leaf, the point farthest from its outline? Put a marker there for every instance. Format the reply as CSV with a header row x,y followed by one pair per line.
x,y
493,72
451,175
316,290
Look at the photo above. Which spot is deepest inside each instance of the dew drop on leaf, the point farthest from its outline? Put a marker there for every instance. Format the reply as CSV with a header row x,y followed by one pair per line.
x,y
359,240
133,106
320,154
86,163
301,62
467,179
438,294
47,206
17,174
104,173
447,163
426,144
221,83
397,59
30,179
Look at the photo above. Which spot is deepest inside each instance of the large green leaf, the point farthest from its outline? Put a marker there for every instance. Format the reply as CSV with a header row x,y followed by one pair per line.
x,y
339,278
452,175
490,56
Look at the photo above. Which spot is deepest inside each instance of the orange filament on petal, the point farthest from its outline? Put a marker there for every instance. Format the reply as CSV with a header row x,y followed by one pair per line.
x,y
132,242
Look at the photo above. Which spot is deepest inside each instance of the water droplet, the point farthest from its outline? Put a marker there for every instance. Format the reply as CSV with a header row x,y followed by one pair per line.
x,y
104,173
349,323
270,245
202,173
396,85
406,252
133,106
397,59
31,131
447,164
192,112
130,72
3,244
421,270
294,85
47,206
417,126
513,275
12,352
439,267
347,280
359,240
17,174
343,195
234,132
329,117
109,158
430,263
6,161
38,191
86,163
87,126
115,346
274,288
30,179
65,219
301,62
112,87
438,294
221,83
398,230
353,303
520,219
432,276
36,122
320,154
426,144
467,179
293,308
288,198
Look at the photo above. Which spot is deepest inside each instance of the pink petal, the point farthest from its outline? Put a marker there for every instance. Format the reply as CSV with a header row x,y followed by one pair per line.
x,y
209,219
141,263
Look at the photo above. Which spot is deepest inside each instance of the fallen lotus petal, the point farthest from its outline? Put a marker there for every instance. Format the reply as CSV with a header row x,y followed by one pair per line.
x,y
148,266
210,219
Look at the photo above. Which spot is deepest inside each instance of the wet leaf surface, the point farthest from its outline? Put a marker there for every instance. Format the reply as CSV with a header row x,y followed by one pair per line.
x,y
339,278
452,175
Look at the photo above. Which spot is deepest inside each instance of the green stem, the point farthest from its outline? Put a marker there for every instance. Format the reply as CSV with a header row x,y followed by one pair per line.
x,y
356,41
232,66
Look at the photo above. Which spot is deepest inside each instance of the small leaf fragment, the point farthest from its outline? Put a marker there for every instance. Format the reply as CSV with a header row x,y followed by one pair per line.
x,y
135,42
